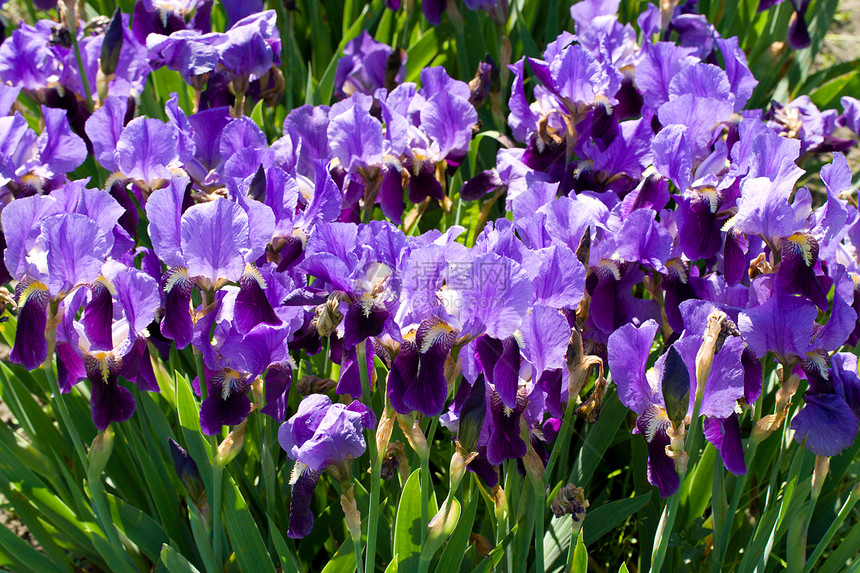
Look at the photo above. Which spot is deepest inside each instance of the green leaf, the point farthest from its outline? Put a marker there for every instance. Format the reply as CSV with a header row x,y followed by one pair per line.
x,y
580,555
257,115
605,518
25,557
407,526
288,560
189,419
421,53
598,440
247,542
623,568
144,531
175,562
343,561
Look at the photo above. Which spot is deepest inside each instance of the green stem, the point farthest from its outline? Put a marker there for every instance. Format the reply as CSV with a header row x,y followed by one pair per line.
x,y
81,70
571,550
844,512
375,471
670,511
718,500
217,533
561,440
96,489
540,494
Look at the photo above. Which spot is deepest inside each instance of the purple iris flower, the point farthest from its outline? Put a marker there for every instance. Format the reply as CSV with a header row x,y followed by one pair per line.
x,y
362,263
55,244
366,66
318,436
207,245
251,46
188,52
109,341
34,163
850,117
628,351
827,423
28,59
249,337
143,150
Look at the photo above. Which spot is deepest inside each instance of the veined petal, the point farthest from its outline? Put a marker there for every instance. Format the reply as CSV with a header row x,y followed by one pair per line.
x,y
213,236
31,348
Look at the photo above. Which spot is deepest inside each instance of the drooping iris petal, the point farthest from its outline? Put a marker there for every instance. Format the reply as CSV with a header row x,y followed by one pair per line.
x,y
110,402
301,495
505,441
30,348
796,274
653,424
176,323
826,425
725,434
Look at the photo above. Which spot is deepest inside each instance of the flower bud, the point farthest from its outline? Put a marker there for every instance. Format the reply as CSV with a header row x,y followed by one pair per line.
x,y
472,415
384,429
112,45
443,523
819,474
231,446
100,452
705,355
676,387
534,467
351,514
500,502
188,474
479,86
414,436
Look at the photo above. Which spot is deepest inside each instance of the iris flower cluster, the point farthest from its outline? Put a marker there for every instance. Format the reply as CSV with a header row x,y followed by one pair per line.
x,y
646,210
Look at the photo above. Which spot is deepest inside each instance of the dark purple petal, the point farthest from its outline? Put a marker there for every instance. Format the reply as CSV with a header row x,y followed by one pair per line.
x,y
279,377
363,319
796,274
301,495
31,348
137,366
110,401
403,373
698,227
505,441
216,412
661,469
725,434
753,372
252,305
176,323
98,317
